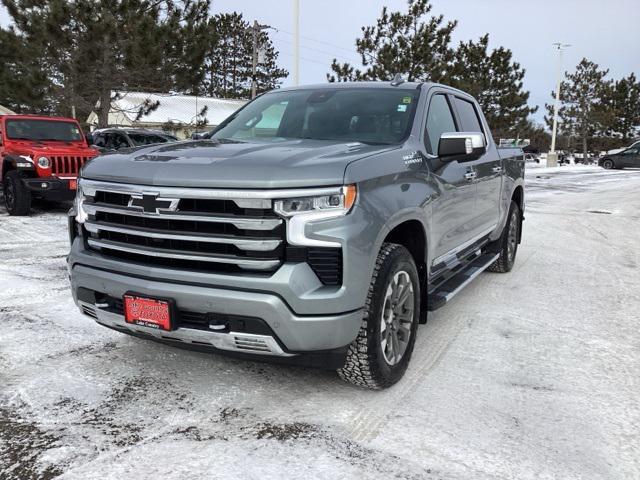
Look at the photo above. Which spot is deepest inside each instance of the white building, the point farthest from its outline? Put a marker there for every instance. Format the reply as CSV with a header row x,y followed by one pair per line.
x,y
5,111
175,113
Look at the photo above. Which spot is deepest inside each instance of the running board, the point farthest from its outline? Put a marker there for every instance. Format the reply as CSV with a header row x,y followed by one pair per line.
x,y
445,292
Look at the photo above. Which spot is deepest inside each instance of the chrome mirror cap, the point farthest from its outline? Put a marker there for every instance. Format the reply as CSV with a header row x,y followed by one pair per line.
x,y
461,146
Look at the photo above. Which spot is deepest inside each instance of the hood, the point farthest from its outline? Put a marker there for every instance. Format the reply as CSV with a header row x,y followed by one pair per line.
x,y
213,164
38,149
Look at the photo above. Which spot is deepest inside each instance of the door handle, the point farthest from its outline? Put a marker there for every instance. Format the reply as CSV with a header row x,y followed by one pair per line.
x,y
470,175
496,169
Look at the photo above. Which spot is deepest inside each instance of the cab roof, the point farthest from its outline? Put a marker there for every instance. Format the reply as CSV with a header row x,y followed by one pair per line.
x,y
340,85
39,117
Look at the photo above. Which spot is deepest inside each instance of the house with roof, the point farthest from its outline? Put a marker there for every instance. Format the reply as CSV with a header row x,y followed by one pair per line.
x,y
6,111
180,115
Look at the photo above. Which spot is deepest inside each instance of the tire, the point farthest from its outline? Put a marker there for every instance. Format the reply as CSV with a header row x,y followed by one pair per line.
x,y
608,164
373,361
17,198
508,242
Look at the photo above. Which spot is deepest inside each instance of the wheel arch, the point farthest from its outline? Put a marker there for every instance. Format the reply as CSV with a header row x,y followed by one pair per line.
x,y
412,235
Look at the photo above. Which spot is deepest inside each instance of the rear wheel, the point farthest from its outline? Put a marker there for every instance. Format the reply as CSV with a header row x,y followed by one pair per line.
x,y
608,164
380,354
17,198
508,242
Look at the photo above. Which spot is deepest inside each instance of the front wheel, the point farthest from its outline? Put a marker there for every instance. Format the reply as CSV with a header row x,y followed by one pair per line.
x,y
17,198
380,354
608,164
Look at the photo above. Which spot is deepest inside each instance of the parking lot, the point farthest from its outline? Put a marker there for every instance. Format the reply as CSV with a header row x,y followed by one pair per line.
x,y
531,374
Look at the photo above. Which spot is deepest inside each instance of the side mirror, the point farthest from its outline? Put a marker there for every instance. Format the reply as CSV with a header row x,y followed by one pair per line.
x,y
461,146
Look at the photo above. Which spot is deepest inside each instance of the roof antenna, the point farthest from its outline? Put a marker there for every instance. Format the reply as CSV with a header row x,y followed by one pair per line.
x,y
397,80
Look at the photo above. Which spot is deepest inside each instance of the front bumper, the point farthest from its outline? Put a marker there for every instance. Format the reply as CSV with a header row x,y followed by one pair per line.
x,y
292,333
51,188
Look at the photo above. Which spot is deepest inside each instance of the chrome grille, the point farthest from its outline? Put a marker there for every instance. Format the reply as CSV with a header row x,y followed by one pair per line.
x,y
67,164
189,228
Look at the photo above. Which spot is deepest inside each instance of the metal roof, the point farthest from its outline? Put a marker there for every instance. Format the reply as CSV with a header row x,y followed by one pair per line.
x,y
179,109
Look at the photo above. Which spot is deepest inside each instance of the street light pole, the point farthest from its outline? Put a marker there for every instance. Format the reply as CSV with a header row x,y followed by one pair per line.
x,y
552,159
296,42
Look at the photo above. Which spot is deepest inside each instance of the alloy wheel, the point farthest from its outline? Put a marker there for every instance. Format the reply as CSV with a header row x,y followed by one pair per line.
x,y
397,317
512,236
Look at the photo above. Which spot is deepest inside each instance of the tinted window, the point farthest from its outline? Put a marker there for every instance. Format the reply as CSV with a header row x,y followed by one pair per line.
x,y
98,139
43,130
367,115
115,141
439,121
469,121
146,139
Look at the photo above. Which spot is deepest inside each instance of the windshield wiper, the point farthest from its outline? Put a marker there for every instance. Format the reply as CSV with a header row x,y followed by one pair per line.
x,y
368,142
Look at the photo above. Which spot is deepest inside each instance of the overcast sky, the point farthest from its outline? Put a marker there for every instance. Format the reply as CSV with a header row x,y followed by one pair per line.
x,y
606,32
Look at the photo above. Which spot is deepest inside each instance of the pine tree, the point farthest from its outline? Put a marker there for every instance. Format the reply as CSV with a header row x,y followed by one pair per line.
x,y
417,46
625,101
412,43
227,69
496,82
24,86
88,49
585,108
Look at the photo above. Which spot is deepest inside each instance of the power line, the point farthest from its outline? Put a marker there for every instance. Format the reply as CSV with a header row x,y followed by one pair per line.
x,y
290,54
353,59
317,41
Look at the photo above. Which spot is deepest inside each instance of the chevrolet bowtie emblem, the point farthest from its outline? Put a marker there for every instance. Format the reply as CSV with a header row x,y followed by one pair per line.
x,y
151,203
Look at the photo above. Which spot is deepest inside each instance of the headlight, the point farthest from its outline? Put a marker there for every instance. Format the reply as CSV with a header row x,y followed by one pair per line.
x,y
43,162
78,203
302,211
338,203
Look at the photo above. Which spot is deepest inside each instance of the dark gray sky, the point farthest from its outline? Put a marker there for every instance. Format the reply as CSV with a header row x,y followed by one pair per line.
x,y
605,31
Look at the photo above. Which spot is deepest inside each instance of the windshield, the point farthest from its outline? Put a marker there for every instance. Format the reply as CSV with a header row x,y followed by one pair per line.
x,y
367,115
147,139
23,129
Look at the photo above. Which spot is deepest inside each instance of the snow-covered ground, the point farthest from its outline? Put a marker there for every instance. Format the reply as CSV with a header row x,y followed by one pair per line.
x,y
531,374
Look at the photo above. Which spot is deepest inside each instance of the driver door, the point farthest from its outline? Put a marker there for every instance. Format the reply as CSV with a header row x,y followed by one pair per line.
x,y
453,209
631,157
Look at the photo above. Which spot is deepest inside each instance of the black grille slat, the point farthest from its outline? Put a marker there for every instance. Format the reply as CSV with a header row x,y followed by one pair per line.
x,y
66,165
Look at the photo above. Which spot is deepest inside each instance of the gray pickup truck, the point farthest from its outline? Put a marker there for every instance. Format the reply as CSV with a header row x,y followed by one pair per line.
x,y
317,225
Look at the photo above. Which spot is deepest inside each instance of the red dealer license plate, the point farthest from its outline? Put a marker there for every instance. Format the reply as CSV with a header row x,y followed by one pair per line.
x,y
148,312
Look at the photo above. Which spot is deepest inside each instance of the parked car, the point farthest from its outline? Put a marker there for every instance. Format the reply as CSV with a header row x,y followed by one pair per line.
x,y
530,157
111,139
40,157
318,226
626,158
618,150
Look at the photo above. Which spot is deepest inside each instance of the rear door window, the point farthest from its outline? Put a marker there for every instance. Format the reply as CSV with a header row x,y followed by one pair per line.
x,y
468,116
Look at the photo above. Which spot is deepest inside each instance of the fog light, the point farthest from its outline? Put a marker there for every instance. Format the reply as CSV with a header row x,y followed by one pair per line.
x,y
44,185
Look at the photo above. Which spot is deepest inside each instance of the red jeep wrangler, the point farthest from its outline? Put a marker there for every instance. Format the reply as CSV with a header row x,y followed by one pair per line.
x,y
40,157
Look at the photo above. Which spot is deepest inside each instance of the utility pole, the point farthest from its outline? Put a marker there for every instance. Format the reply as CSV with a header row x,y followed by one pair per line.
x,y
552,158
255,31
296,42
254,67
